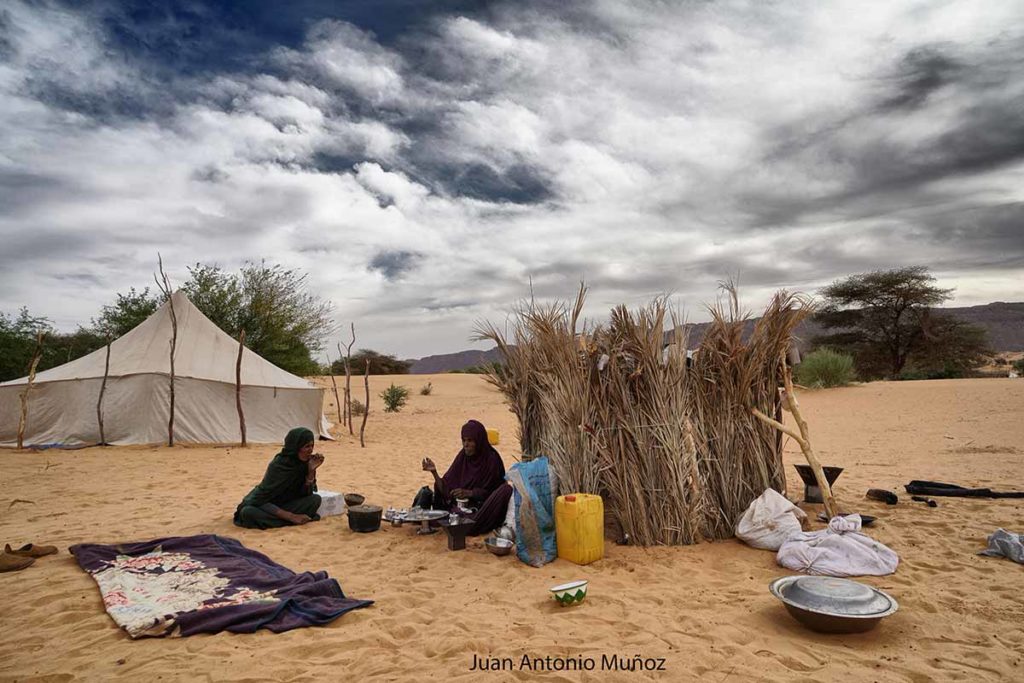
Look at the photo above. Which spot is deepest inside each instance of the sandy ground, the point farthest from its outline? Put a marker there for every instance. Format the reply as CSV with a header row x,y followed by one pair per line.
x,y
705,609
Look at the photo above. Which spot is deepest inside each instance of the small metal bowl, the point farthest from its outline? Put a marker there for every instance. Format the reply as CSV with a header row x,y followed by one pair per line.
x,y
832,605
865,520
499,546
354,499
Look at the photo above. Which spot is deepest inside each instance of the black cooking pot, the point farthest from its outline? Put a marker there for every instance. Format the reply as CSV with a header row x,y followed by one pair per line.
x,y
364,518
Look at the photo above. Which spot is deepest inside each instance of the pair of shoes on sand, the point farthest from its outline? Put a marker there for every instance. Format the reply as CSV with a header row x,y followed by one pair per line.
x,y
13,560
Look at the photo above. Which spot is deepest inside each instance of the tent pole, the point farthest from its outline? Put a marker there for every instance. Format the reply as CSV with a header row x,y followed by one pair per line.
x,y
103,390
28,387
238,386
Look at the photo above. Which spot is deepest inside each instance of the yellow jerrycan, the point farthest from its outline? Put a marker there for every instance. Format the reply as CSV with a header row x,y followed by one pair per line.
x,y
579,527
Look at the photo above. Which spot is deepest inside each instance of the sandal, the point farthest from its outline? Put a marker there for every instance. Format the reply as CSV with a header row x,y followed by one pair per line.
x,y
11,563
31,550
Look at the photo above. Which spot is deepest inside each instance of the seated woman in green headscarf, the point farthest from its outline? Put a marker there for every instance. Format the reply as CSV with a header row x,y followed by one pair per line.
x,y
287,494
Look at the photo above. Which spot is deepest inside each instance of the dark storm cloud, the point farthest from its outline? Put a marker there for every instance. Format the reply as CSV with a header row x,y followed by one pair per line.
x,y
921,72
393,264
979,129
517,184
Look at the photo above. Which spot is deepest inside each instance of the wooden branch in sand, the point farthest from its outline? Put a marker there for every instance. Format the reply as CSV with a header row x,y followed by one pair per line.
x,y
337,401
803,438
366,410
238,387
36,355
164,284
348,377
103,390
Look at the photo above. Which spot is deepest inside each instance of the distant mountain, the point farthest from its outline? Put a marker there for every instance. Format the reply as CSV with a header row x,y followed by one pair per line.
x,y
432,365
1004,323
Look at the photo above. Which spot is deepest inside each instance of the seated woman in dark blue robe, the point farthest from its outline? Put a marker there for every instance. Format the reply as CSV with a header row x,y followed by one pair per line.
x,y
477,475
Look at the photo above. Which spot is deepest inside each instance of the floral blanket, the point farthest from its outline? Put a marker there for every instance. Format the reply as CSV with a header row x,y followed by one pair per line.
x,y
204,584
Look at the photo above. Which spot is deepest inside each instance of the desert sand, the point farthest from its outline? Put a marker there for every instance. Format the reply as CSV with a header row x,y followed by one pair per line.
x,y
705,609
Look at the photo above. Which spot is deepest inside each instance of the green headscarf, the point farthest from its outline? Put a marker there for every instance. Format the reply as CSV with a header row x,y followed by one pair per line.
x,y
285,479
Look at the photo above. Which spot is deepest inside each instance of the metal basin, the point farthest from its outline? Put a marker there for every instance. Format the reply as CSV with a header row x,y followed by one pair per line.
x,y
499,546
833,605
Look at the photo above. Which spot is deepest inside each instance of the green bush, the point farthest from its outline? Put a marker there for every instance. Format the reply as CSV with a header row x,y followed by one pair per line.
x,y
394,398
1019,366
357,407
947,371
426,389
825,368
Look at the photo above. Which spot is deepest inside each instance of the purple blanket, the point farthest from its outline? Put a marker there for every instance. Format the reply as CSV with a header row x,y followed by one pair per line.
x,y
204,584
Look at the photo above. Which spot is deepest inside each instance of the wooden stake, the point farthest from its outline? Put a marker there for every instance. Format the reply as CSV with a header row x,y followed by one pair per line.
x,y
366,410
803,438
103,390
238,387
348,377
337,401
36,355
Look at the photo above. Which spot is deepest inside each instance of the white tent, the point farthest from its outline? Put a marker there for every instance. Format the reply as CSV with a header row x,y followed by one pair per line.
x,y
62,402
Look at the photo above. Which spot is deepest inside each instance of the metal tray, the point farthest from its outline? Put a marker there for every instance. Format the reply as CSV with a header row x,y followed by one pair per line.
x,y
424,515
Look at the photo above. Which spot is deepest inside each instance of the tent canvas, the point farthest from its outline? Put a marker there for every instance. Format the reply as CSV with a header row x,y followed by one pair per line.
x,y
136,404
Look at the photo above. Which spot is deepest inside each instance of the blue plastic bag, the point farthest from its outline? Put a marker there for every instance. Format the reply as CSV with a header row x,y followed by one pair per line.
x,y
535,512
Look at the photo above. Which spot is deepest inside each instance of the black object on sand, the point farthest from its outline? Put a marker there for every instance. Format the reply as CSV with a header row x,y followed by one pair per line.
x,y
887,497
935,488
922,499
812,494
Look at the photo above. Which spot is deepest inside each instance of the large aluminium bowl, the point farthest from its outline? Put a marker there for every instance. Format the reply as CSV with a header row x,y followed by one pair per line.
x,y
832,605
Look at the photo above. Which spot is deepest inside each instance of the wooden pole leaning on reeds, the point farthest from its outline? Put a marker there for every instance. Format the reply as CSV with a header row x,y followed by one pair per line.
x,y
238,387
803,438
36,355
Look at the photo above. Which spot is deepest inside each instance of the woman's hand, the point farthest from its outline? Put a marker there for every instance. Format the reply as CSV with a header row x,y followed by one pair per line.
x,y
315,461
461,493
429,466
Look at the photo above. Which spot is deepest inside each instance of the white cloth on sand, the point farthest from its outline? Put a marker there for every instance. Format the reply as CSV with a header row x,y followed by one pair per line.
x,y
769,521
839,550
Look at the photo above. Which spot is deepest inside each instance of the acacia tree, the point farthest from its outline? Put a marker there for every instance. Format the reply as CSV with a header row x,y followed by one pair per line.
x,y
127,311
283,321
883,319
379,363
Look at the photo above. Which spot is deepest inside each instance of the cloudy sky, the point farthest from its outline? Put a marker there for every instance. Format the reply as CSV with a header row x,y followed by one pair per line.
x,y
425,161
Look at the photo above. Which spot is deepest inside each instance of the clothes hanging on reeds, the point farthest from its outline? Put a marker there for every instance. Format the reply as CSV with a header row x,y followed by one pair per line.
x,y
935,488
839,550
535,512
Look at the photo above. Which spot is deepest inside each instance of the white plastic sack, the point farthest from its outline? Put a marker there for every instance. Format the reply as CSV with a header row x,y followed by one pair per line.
x,y
331,503
769,521
839,550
